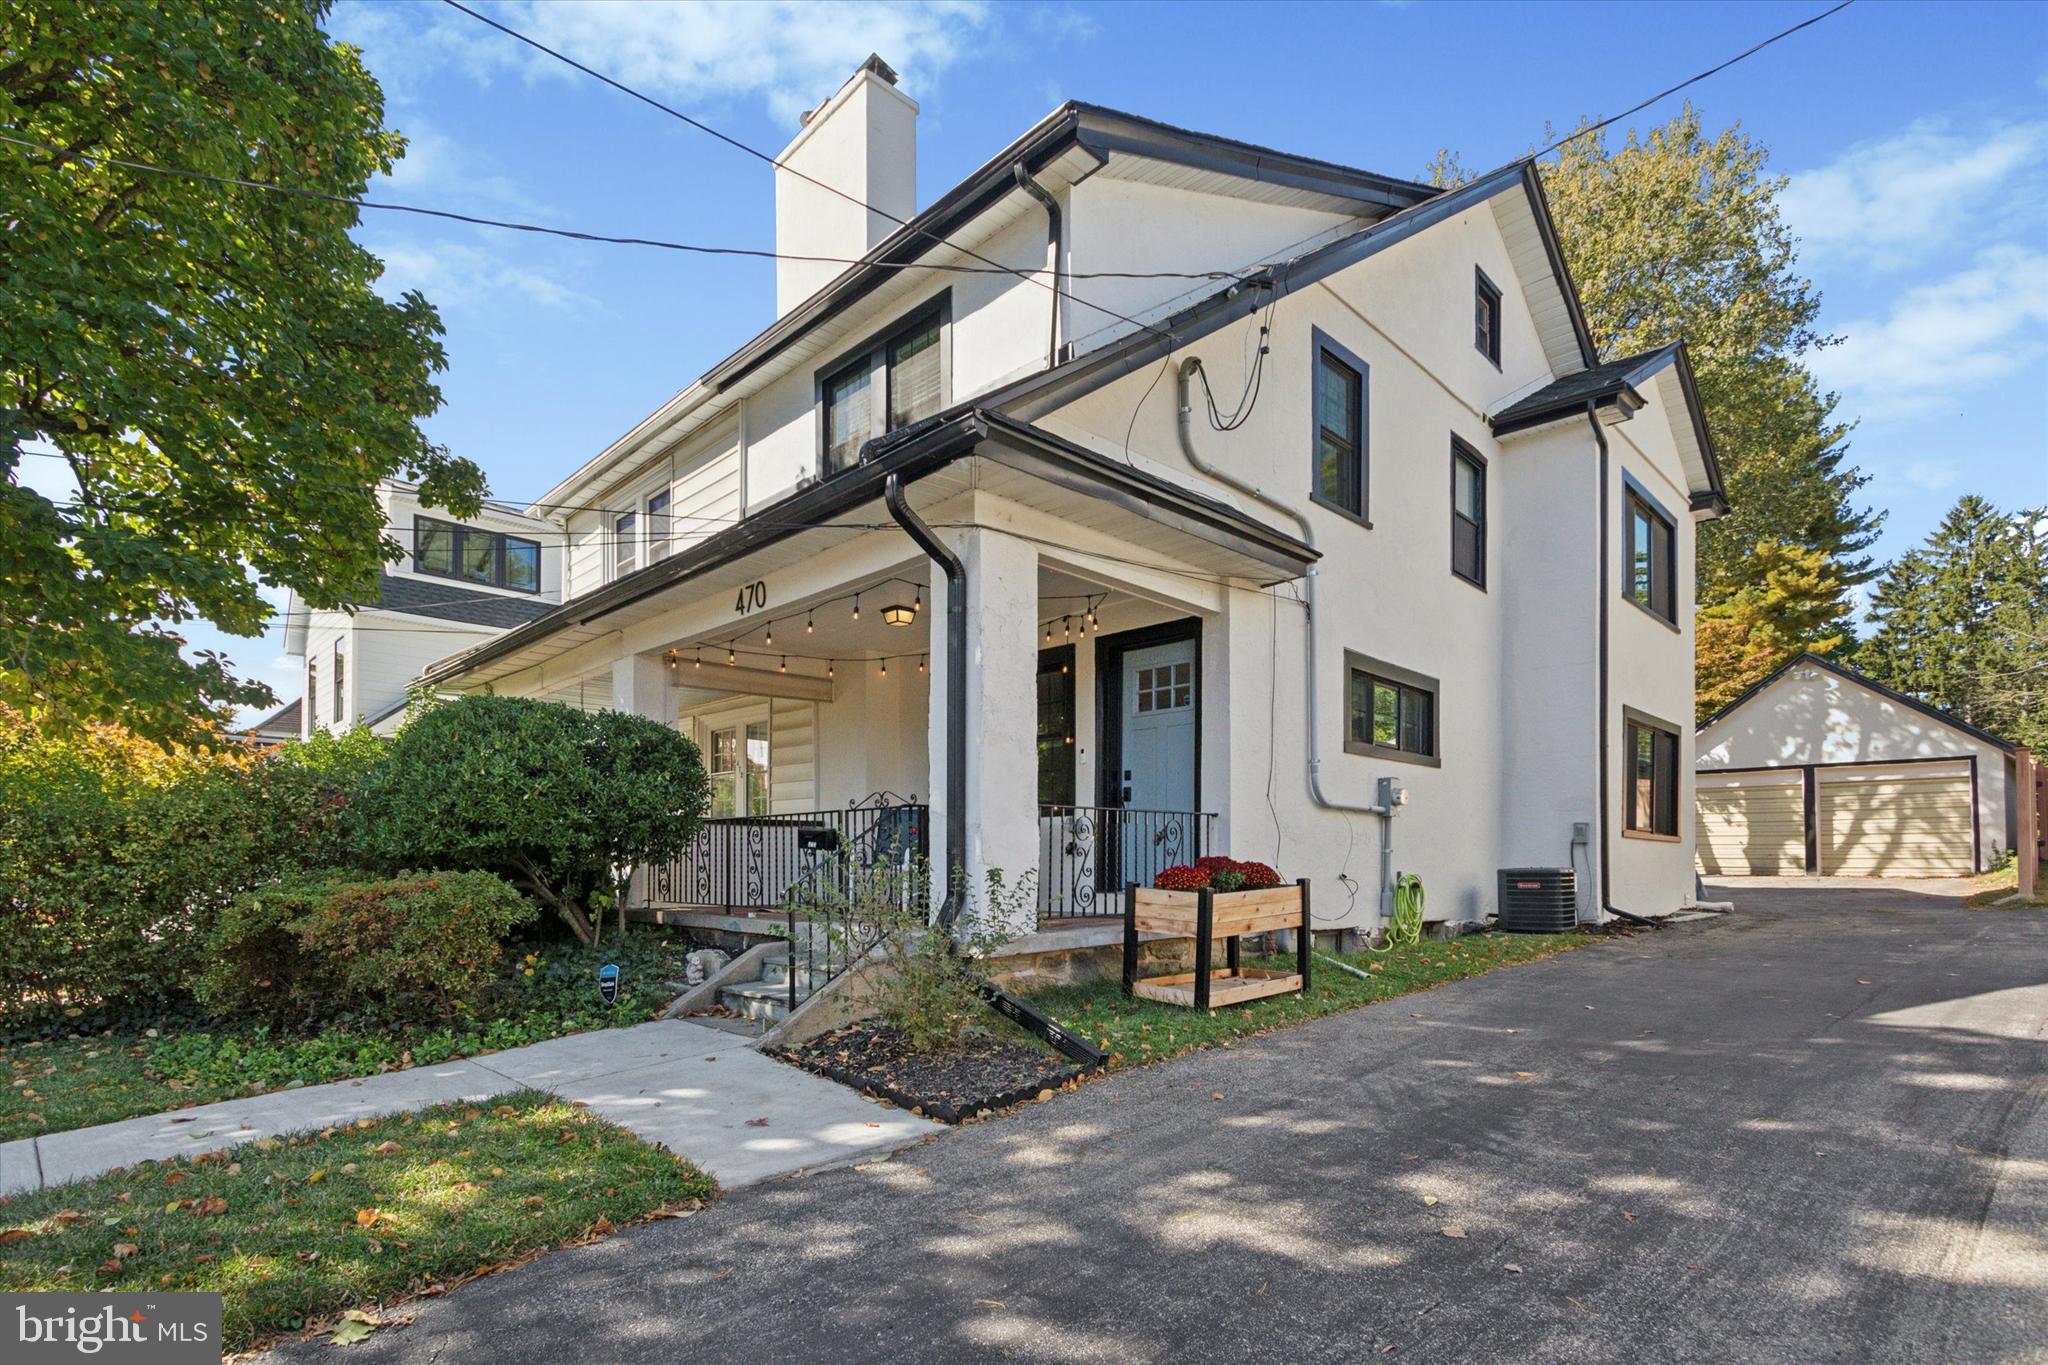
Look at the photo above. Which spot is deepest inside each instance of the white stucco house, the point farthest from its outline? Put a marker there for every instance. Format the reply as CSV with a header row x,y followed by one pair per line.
x,y
1149,494
1820,770
459,583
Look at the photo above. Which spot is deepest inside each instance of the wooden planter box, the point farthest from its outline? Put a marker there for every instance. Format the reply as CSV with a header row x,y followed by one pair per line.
x,y
1206,916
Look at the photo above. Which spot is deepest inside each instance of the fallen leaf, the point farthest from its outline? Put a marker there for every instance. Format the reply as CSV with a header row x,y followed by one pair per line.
x,y
1525,1074
364,1123
1576,1304
1863,981
1626,1214
316,1177
110,1268
1452,1230
1216,1094
369,1218
210,1207
757,1123
123,1250
170,1178
1429,1199
386,1148
992,1303
352,1330
15,1235
1512,1268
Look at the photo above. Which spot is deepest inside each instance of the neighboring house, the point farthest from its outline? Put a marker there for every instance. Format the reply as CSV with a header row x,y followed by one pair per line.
x,y
977,543
458,585
280,725
1818,769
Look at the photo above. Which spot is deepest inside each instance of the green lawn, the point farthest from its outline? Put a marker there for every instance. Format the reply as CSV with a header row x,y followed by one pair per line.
x,y
76,1080
298,1229
1136,1032
2005,882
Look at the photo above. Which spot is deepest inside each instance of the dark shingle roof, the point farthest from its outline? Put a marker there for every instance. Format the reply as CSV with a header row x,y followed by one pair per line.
x,y
451,602
284,721
1569,395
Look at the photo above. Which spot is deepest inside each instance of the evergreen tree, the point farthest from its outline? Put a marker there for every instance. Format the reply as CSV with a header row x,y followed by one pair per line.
x,y
1962,621
1789,600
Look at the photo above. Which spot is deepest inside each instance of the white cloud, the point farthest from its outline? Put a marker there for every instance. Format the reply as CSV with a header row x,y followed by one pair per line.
x,y
787,53
458,275
437,171
1890,200
1931,475
1946,337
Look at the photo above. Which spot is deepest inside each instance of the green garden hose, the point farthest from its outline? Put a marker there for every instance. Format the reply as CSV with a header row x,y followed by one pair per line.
x,y
1405,927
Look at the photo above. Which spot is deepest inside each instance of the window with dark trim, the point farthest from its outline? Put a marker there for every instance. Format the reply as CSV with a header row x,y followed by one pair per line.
x,y
1056,726
447,549
1468,513
1340,454
1649,557
1651,753
896,380
1390,712
340,680
1486,316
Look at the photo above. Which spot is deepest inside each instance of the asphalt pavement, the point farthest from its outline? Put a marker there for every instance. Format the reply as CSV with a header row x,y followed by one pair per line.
x,y
1810,1131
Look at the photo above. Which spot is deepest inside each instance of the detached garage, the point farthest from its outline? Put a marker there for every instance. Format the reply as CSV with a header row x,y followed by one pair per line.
x,y
1819,770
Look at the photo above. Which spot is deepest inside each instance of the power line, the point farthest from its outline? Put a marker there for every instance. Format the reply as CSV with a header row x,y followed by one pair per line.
x,y
1692,80
757,153
175,172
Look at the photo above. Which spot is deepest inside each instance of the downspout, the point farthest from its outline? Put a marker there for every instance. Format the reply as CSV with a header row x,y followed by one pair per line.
x,y
1052,241
1600,577
1385,809
956,693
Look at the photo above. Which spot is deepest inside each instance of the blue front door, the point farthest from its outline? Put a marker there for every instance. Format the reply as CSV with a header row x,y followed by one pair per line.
x,y
1155,778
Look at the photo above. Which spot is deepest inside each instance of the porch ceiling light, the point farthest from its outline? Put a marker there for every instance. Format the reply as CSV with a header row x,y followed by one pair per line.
x,y
899,615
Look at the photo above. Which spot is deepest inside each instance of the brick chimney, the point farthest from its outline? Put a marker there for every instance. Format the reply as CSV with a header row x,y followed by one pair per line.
x,y
862,142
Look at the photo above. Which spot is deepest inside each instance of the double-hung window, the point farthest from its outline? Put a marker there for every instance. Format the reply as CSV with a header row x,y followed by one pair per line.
x,y
1468,513
1651,752
448,549
340,680
660,525
1340,429
625,543
1391,712
1649,556
893,382
312,695
1485,316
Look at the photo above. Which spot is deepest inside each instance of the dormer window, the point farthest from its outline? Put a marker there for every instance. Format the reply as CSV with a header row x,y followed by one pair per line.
x,y
625,543
1486,316
894,381
448,549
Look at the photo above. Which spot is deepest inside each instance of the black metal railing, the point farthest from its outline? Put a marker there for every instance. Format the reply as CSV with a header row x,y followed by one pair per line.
x,y
1087,853
753,862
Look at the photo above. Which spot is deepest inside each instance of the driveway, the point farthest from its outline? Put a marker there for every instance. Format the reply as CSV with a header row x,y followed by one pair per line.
x,y
1810,1131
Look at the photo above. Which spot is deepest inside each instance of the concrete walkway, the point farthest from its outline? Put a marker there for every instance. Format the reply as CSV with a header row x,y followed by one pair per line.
x,y
696,1091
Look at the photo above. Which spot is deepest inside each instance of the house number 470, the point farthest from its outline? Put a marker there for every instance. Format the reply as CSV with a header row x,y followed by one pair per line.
x,y
753,597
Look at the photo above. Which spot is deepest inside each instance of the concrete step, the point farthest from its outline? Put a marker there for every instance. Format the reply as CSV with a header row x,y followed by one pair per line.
x,y
745,1028
764,1000
808,979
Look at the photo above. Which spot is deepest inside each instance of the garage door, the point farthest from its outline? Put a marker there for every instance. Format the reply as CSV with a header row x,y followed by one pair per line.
x,y
1894,826
1752,827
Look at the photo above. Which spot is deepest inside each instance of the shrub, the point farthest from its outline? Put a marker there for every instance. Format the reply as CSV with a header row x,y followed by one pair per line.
x,y
116,855
556,800
412,947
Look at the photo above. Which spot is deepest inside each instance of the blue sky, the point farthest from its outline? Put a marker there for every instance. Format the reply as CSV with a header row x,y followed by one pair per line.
x,y
1916,137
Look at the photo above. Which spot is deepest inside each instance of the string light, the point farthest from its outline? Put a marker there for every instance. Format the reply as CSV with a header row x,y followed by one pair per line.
x,y
731,658
885,668
917,602
810,623
1068,623
700,657
856,606
1048,632
831,668
920,663
771,635
785,665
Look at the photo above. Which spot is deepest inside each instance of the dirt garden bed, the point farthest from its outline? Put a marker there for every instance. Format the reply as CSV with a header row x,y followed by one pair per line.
x,y
984,1073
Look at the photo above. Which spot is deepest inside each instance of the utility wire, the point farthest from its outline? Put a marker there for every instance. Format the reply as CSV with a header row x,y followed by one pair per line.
x,y
175,172
757,153
1692,80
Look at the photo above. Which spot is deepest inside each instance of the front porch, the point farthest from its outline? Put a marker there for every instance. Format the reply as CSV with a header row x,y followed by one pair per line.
x,y
750,865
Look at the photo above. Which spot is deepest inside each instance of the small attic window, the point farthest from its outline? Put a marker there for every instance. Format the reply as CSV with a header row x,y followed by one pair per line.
x,y
1486,316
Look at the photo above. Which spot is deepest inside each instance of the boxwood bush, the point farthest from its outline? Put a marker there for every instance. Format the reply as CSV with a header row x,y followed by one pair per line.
x,y
418,946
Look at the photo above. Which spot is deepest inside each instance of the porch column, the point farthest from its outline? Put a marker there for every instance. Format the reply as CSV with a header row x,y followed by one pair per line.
x,y
1002,720
640,688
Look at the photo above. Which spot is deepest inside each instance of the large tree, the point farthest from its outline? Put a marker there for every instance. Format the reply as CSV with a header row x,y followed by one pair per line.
x,y
209,362
1961,621
1677,235
1787,600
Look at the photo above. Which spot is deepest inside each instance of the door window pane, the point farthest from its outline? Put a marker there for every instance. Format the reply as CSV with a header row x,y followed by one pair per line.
x,y
914,375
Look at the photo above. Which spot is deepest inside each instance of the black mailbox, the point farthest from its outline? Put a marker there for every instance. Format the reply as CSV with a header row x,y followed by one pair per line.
x,y
817,838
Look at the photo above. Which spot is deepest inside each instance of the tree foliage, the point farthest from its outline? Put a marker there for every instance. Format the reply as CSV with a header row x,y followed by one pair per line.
x,y
558,801
211,363
1788,600
1961,621
1675,235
